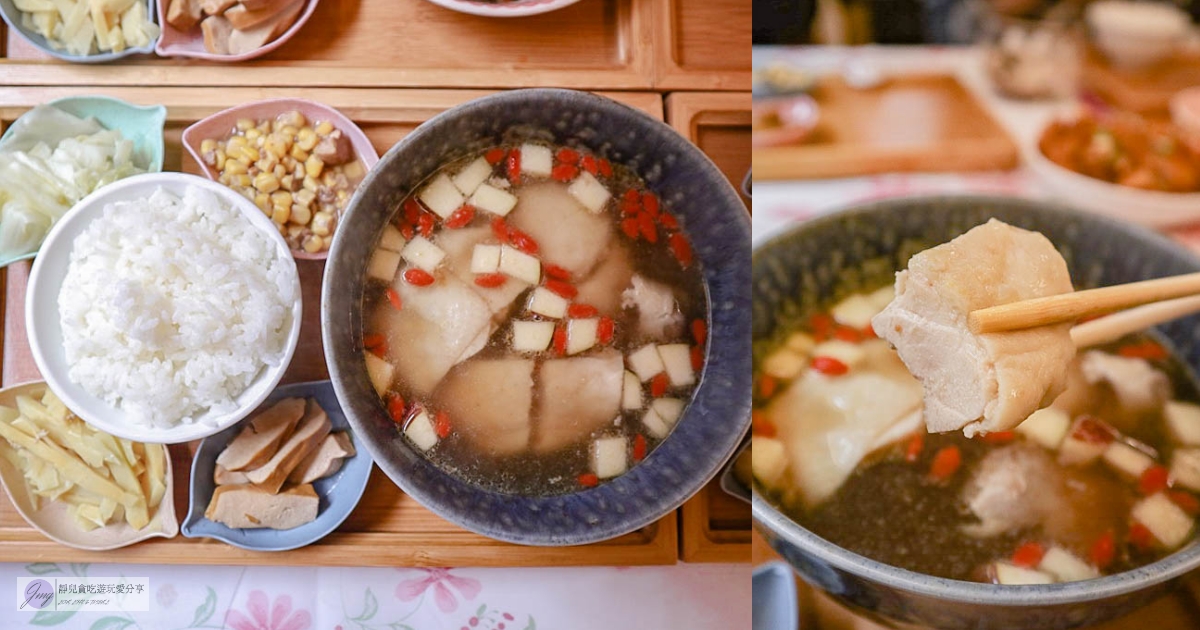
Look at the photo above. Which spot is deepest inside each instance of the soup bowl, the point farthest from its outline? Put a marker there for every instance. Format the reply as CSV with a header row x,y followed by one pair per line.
x,y
713,218
798,271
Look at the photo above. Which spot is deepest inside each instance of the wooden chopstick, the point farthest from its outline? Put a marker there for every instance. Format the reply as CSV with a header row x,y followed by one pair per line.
x,y
1113,327
1070,307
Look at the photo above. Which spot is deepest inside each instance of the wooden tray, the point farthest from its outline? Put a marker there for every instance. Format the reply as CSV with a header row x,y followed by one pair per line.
x,y
911,123
702,44
718,123
595,44
1177,610
388,528
714,527
1146,92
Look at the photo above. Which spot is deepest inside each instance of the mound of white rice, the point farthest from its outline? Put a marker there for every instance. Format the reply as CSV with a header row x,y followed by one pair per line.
x,y
171,307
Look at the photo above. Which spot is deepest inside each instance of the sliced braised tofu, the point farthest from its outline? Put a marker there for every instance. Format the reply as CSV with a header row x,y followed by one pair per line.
x,y
1183,422
441,196
420,431
422,254
1169,524
566,233
576,396
307,436
257,442
677,361
547,303
493,200
532,336
248,507
589,192
581,334
646,362
536,160
1047,427
392,239
383,265
1066,566
380,372
517,264
1185,468
472,175
1012,574
489,402
609,457
325,460
224,477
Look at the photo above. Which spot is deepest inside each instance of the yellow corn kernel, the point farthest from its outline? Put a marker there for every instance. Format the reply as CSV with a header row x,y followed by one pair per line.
x,y
330,180
293,118
286,182
281,198
313,166
322,223
208,144
220,155
251,153
295,231
236,142
288,130
304,197
300,155
266,182
306,139
311,184
353,170
342,196
242,180
280,215
245,124
279,171
264,127
313,244
263,201
301,215
253,134
277,146
235,167
324,128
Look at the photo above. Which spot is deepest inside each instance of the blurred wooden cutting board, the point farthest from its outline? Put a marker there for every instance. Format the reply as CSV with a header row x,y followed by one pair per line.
x,y
910,123
1147,91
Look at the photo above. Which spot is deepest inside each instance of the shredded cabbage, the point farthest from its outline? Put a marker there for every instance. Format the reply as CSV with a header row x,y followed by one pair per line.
x,y
38,184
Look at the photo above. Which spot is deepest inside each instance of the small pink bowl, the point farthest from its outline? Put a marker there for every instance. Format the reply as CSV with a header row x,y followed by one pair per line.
x,y
176,43
220,124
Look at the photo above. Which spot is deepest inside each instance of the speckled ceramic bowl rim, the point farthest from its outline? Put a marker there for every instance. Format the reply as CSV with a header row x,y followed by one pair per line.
x,y
619,487
362,145
767,517
519,8
14,25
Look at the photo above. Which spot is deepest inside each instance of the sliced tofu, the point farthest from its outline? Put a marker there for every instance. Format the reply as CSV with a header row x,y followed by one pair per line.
x,y
380,372
532,336
589,192
184,14
851,354
677,361
325,460
769,460
669,409
631,393
1167,521
1185,468
1012,574
582,334
548,303
392,239
250,507
383,264
536,160
609,456
1047,427
420,431
655,425
856,311
472,175
646,362
257,442
517,264
490,402
566,233
1066,566
493,200
249,39
423,254
784,364
216,31
1127,460
244,18
800,343
224,477
577,396
1183,422
485,259
308,435
441,196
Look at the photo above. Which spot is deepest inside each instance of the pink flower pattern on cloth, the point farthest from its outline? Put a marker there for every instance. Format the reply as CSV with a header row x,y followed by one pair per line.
x,y
437,579
264,616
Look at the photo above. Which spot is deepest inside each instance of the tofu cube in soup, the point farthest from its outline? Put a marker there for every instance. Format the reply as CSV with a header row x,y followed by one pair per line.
x,y
609,457
850,354
422,254
380,372
1183,422
548,303
519,265
485,259
581,334
631,394
655,425
1127,460
784,363
769,460
589,192
1048,427
532,336
392,239
420,431
536,160
441,196
1007,573
1169,524
491,199
1185,468
472,175
1066,566
669,409
646,362
383,265
855,311
677,361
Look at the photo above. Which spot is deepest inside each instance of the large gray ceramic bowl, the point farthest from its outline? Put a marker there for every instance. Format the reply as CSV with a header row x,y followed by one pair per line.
x,y
803,269
711,215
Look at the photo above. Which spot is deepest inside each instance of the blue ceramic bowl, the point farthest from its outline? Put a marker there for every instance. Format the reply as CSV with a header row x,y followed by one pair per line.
x,y
804,269
714,219
339,493
12,15
775,605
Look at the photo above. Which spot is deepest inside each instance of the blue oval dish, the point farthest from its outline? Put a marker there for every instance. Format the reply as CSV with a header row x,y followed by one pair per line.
x,y
12,15
349,482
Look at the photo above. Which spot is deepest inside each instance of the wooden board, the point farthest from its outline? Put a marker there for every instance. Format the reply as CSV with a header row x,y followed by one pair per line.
x,y
1177,610
387,528
1146,91
714,527
594,44
911,123
718,123
702,44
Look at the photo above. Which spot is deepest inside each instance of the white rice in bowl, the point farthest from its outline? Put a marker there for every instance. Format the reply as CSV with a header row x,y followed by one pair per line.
x,y
172,306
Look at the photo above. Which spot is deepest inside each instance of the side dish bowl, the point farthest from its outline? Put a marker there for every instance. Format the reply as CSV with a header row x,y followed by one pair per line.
x,y
504,8
190,44
809,266
339,493
12,15
46,335
714,219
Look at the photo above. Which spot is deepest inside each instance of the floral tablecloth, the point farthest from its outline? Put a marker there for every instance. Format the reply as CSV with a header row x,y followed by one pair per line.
x,y
683,596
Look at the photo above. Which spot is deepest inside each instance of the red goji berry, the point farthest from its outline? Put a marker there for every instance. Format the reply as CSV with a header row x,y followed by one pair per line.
x,y
659,384
412,210
407,232
1153,479
912,451
699,331
425,223
1144,350
1104,550
697,358
605,167
647,228
560,339
630,227
562,289
650,203
668,220
558,273
588,163
639,447
829,366
441,424
418,277
461,217
1028,555
493,156
393,297
567,156
1140,537
681,248
588,480
580,311
490,280
379,350
395,407
500,229
522,241
512,166
846,333
370,341
767,385
605,329
564,172
946,462
759,425
1185,500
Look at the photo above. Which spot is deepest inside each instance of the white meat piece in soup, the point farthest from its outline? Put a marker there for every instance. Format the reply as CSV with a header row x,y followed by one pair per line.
x,y
490,402
658,313
577,396
979,383
828,425
1138,386
1013,487
567,234
604,287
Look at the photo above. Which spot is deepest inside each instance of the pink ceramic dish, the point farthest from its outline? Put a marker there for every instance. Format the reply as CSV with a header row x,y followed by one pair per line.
x,y
513,8
222,123
176,43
